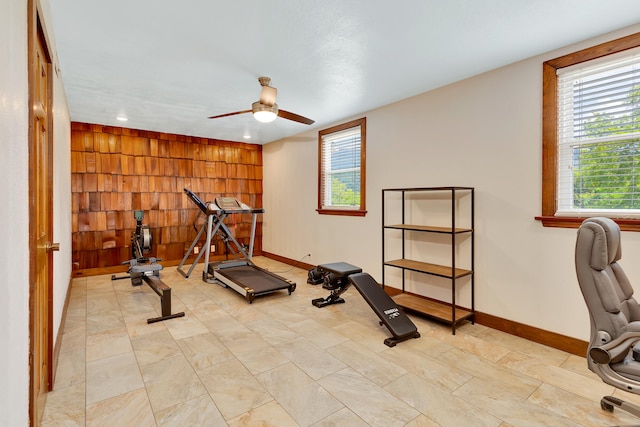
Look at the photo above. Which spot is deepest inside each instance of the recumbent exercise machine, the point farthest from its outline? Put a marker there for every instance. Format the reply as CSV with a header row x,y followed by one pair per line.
x,y
146,269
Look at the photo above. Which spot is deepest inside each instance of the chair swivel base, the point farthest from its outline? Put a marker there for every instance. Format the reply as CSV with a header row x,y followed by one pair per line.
x,y
608,403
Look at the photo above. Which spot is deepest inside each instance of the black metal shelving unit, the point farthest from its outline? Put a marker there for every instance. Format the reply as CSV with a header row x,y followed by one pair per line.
x,y
444,311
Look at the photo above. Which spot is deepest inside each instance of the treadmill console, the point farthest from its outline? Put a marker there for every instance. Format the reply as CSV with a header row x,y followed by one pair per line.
x,y
228,203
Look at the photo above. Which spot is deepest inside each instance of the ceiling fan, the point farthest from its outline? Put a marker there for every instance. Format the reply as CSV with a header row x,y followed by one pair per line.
x,y
266,110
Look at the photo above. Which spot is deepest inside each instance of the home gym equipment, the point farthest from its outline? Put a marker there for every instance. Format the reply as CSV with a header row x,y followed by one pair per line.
x,y
338,276
314,276
150,274
140,241
147,269
239,274
333,277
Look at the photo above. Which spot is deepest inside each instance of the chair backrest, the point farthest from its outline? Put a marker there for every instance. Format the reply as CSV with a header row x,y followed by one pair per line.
x,y
605,287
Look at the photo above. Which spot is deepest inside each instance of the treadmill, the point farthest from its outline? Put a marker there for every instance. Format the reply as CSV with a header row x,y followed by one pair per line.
x,y
239,274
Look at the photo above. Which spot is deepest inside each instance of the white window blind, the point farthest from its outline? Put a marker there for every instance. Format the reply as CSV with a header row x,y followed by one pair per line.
x,y
599,137
340,163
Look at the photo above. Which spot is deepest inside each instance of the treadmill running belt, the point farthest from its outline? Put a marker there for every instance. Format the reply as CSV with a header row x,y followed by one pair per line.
x,y
257,281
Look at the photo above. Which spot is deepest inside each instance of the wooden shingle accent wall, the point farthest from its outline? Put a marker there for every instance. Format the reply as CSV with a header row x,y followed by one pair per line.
x,y
115,171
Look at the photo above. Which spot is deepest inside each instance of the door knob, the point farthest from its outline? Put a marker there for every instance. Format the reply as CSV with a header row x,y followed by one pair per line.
x,y
52,247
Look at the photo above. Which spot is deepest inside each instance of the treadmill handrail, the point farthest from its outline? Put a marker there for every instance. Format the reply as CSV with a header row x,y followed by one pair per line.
x,y
210,208
196,200
240,211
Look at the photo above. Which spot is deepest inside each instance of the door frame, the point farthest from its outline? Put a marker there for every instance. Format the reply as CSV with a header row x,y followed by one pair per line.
x,y
36,29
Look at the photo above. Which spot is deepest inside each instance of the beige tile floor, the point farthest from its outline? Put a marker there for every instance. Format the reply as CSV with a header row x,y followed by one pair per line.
x,y
282,362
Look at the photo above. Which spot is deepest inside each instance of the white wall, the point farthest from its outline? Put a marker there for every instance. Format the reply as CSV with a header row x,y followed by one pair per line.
x,y
14,215
483,132
62,261
14,209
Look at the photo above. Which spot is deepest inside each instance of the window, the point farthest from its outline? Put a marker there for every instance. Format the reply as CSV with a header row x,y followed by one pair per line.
x,y
599,138
591,135
341,169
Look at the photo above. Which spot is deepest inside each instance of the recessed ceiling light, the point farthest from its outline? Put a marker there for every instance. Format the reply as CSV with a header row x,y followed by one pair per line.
x,y
247,137
122,118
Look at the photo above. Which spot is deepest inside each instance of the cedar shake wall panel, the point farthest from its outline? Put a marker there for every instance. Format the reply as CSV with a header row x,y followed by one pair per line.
x,y
90,162
88,142
140,168
115,171
115,162
105,163
78,162
101,221
153,147
114,144
154,200
144,184
111,220
103,142
77,141
127,145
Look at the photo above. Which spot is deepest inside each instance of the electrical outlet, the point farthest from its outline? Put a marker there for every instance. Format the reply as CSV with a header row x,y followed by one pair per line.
x,y
213,248
196,250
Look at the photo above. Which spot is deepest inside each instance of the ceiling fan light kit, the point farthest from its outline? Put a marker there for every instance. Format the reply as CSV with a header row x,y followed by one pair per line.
x,y
264,113
266,110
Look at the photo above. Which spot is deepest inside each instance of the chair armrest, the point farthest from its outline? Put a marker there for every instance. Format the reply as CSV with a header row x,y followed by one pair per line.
x,y
607,352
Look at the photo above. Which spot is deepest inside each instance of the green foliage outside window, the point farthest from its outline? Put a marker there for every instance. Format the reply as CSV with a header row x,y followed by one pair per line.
x,y
342,195
606,173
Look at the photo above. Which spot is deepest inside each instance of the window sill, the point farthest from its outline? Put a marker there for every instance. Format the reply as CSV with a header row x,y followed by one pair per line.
x,y
574,222
342,212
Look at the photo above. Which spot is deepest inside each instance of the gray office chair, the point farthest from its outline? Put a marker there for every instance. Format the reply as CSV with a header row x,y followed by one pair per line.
x,y
614,347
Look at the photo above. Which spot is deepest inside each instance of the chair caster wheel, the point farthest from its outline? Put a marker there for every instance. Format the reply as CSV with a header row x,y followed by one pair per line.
x,y
607,407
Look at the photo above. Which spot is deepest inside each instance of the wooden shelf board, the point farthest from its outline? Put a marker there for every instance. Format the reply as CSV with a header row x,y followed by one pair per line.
x,y
440,311
448,188
429,228
425,267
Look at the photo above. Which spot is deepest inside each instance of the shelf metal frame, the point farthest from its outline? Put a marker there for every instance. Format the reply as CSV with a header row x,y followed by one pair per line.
x,y
449,272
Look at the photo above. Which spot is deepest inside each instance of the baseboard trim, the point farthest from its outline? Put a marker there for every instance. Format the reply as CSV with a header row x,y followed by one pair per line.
x,y
531,333
289,261
56,348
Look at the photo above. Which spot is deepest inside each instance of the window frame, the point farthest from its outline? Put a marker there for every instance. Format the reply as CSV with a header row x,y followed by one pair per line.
x,y
550,130
361,210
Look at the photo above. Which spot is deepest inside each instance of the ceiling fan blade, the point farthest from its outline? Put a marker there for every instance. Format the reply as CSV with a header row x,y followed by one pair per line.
x,y
295,117
230,114
268,95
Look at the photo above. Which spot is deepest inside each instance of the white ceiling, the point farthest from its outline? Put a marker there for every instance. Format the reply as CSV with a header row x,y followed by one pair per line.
x,y
168,65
